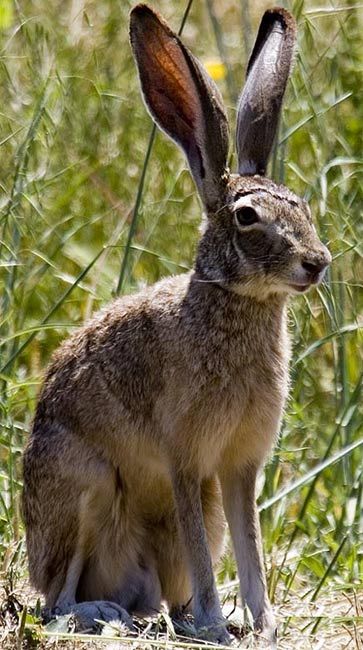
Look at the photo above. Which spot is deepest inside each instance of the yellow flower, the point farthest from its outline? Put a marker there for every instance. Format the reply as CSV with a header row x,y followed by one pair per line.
x,y
216,69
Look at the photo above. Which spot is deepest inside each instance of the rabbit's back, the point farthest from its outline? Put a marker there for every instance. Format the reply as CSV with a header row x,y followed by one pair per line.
x,y
114,364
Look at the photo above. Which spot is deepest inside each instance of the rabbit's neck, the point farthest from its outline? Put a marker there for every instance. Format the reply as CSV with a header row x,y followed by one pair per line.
x,y
230,333
215,308
237,360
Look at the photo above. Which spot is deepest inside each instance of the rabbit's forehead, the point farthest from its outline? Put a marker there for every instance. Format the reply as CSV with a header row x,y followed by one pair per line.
x,y
261,187
262,191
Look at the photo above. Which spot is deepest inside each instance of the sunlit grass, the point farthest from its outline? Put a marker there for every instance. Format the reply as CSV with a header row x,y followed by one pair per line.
x,y
73,140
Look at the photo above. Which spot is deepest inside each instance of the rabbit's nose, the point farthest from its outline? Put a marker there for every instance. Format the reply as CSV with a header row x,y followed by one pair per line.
x,y
314,269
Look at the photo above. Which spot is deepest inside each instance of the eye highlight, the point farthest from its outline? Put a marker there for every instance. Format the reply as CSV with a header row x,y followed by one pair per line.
x,y
246,216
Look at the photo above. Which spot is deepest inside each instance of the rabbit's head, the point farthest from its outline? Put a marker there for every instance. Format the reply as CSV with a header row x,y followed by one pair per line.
x,y
258,236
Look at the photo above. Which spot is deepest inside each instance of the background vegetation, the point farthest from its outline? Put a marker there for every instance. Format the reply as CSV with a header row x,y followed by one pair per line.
x,y
73,139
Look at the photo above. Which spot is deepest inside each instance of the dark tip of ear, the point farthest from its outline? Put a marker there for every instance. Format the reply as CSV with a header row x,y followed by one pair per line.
x,y
281,13
142,17
140,10
269,19
140,14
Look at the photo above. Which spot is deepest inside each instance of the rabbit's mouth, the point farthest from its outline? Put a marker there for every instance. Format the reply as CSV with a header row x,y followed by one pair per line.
x,y
300,288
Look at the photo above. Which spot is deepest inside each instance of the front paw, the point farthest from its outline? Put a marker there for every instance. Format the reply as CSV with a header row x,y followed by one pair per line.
x,y
212,626
266,629
214,631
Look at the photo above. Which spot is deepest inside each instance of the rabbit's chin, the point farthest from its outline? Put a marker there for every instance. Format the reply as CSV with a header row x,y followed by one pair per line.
x,y
260,290
299,288
265,290
303,288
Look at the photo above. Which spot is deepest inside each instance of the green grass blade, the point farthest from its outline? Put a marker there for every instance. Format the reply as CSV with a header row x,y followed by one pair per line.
x,y
51,313
313,474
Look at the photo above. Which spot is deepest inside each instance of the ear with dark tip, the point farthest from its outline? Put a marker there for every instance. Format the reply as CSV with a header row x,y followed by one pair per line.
x,y
182,99
261,99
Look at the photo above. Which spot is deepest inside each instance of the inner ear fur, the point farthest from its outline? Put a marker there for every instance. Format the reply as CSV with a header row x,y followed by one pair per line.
x,y
261,100
182,99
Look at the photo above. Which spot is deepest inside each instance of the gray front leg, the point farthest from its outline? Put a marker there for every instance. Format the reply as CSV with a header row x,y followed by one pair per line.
x,y
239,500
206,608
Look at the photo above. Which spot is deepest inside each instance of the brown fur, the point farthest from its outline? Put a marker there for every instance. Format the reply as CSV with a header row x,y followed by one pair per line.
x,y
163,404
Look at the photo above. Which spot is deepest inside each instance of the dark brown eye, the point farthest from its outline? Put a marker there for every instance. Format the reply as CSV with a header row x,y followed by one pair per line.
x,y
246,215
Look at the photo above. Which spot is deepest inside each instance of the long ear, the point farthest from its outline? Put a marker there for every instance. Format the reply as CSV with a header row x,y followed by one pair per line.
x,y
182,99
260,103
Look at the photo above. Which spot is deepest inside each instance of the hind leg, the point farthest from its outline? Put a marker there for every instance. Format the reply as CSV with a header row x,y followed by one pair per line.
x,y
118,567
64,517
86,613
93,588
140,591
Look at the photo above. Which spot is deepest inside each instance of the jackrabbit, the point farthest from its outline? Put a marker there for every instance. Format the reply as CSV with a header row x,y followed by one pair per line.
x,y
155,418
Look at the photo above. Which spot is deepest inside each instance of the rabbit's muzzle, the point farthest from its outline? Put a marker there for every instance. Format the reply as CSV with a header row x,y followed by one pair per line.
x,y
315,270
311,270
